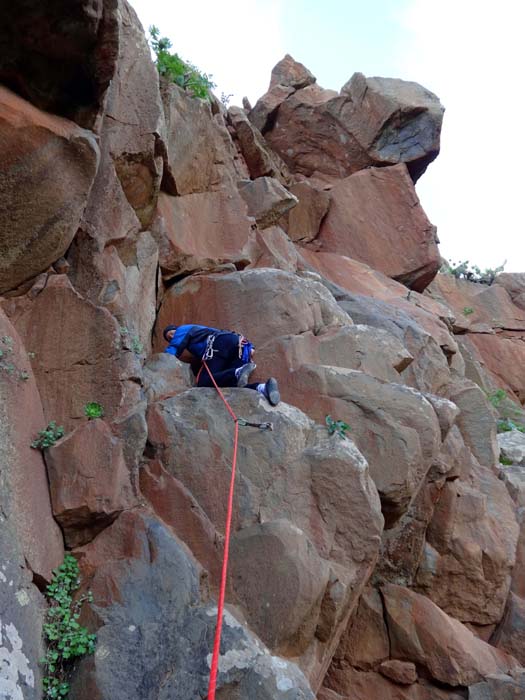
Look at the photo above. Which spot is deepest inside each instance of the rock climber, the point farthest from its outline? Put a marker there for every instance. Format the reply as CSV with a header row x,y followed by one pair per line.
x,y
228,355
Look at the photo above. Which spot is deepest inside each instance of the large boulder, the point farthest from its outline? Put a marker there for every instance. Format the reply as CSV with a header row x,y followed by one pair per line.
x,y
267,200
156,627
89,481
377,211
201,231
395,120
38,220
363,685
373,121
78,352
61,55
512,446
394,426
470,549
514,283
260,159
200,152
510,635
370,297
421,632
34,536
264,304
317,487
499,687
133,125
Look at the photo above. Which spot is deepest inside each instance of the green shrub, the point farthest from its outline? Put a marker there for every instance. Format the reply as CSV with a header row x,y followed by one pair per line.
x,y
464,270
496,397
178,71
505,461
506,425
93,410
48,436
66,638
468,310
336,426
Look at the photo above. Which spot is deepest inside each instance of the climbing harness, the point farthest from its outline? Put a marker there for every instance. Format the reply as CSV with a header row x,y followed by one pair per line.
x,y
222,592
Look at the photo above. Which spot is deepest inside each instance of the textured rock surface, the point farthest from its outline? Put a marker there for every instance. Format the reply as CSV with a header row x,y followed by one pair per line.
x,y
512,446
25,504
155,230
201,231
38,222
324,491
420,631
88,480
89,361
146,587
374,121
384,200
267,200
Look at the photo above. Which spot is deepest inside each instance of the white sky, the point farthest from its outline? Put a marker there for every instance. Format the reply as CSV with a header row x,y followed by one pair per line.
x,y
469,53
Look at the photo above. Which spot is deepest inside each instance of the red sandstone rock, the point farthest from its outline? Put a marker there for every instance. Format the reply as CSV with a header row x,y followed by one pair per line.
x,y
325,491
291,73
38,222
290,305
303,222
77,350
25,504
365,643
201,231
175,506
89,481
356,685
510,635
514,283
133,121
282,603
259,158
395,120
402,672
201,155
471,548
421,632
374,121
267,200
61,56
274,249
382,200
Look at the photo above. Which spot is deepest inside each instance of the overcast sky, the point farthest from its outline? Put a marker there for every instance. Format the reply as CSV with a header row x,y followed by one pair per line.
x,y
467,52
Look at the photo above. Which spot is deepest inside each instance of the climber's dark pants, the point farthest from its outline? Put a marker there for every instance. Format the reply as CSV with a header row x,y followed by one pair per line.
x,y
224,362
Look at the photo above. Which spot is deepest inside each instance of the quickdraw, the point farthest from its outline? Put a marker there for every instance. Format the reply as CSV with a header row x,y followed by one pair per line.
x,y
262,426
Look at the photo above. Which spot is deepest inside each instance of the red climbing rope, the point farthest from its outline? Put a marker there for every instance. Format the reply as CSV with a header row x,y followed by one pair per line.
x,y
218,629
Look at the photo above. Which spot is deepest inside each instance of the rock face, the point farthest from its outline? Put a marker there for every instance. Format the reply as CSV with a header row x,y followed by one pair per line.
x,y
373,121
323,538
378,536
38,223
383,199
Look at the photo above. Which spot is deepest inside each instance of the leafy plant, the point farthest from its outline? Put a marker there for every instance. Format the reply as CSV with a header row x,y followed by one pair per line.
x,y
48,436
472,273
93,410
506,425
178,71
66,638
336,426
468,310
505,461
496,397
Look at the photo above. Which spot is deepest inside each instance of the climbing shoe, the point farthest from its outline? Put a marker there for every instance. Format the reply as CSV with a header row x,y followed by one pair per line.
x,y
271,391
243,373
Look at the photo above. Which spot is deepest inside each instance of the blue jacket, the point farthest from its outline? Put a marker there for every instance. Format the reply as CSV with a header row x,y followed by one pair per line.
x,y
190,337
